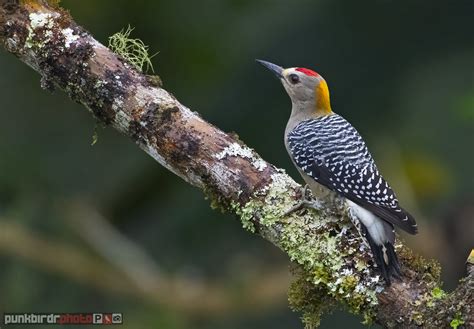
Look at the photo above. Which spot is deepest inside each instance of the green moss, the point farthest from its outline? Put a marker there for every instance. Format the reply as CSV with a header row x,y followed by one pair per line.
x,y
310,300
246,214
368,317
417,318
217,201
457,321
470,258
431,299
268,205
325,247
54,3
327,258
134,51
438,293
427,269
154,80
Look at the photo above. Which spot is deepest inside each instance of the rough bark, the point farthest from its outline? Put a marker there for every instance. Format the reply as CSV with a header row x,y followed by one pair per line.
x,y
334,266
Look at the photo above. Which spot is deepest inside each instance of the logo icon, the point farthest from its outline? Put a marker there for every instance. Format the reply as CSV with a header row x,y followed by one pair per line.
x,y
97,318
117,318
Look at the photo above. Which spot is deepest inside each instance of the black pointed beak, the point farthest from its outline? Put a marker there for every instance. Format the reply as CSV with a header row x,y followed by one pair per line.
x,y
277,70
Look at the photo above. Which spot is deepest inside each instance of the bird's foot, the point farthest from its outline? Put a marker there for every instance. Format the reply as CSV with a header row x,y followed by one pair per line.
x,y
306,201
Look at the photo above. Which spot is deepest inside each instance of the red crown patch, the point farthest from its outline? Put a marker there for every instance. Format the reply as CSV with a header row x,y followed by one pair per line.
x,y
308,72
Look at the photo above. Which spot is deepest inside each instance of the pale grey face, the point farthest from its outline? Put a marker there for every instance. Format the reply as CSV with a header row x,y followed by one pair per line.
x,y
299,86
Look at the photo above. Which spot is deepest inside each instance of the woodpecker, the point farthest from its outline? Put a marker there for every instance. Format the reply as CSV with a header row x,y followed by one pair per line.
x,y
330,154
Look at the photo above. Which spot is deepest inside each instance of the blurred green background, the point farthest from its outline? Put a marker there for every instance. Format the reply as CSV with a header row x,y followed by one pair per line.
x,y
105,228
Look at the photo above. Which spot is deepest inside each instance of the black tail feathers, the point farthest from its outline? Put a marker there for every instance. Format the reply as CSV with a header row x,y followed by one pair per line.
x,y
386,260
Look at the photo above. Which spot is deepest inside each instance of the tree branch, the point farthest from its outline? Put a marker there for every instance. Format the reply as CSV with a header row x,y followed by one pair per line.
x,y
334,265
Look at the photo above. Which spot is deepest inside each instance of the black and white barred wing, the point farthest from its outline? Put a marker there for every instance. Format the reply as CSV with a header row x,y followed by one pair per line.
x,y
332,152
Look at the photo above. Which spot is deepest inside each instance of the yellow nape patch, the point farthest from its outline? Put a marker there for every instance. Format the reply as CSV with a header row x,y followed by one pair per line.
x,y
323,104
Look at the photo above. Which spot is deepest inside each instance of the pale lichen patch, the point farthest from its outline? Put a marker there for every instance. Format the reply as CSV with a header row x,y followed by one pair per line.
x,y
39,19
237,150
69,37
117,104
234,149
144,96
259,164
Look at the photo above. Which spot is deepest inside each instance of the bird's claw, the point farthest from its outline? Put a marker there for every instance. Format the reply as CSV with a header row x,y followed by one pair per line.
x,y
306,201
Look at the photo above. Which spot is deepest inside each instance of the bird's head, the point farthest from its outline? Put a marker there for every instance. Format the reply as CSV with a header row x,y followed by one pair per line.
x,y
306,88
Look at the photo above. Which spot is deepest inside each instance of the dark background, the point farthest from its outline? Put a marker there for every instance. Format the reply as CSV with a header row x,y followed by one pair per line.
x,y
400,71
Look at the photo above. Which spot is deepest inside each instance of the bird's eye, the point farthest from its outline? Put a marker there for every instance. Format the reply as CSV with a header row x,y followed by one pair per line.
x,y
294,79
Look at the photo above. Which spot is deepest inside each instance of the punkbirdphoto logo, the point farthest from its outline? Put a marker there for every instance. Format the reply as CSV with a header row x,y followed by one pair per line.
x,y
62,318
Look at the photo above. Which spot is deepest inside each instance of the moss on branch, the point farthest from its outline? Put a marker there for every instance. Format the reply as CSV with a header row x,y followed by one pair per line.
x,y
326,248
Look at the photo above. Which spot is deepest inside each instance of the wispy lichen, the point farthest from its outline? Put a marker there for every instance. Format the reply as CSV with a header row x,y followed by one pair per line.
x,y
134,51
